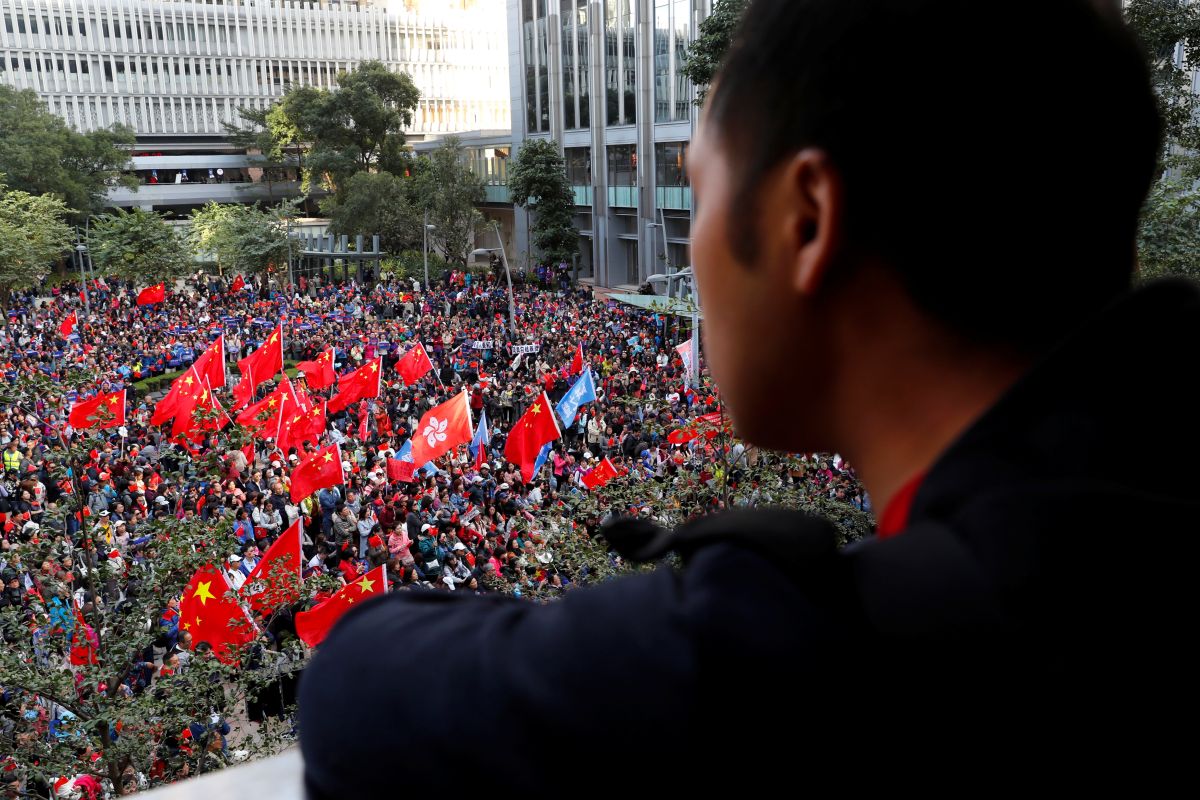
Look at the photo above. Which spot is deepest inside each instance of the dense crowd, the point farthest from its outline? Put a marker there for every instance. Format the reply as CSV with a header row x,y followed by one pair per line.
x,y
472,524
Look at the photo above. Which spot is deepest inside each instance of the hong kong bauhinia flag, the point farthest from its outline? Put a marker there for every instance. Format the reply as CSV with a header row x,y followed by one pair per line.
x,y
443,428
314,625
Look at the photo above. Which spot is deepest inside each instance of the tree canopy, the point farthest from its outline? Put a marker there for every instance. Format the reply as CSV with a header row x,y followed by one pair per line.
x,y
538,178
378,203
449,190
32,236
41,155
358,127
242,238
137,244
705,54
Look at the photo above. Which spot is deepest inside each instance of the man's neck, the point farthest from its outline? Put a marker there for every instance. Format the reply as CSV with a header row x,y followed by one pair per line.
x,y
910,398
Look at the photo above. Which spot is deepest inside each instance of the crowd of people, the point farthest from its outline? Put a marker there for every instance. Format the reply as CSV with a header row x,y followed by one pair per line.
x,y
471,524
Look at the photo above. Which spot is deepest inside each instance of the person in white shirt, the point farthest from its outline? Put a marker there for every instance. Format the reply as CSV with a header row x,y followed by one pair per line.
x,y
233,572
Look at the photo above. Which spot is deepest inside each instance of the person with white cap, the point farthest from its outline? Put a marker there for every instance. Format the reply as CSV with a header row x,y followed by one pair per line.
x,y
233,573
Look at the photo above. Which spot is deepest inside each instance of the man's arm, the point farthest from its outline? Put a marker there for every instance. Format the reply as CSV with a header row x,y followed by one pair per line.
x,y
500,689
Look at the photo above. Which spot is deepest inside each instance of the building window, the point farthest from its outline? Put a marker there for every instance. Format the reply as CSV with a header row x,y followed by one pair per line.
x,y
672,26
622,165
579,165
669,161
620,62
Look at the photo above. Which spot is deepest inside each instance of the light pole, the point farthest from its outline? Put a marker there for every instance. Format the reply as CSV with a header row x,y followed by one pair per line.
x,y
80,249
512,305
654,249
425,230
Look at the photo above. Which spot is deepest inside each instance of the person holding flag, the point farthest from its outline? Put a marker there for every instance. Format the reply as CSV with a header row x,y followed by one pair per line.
x,y
536,427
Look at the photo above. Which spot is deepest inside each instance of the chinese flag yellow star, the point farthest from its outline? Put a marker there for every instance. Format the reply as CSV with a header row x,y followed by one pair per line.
x,y
329,457
204,593
204,396
367,585
271,403
112,401
197,622
537,409
374,366
188,380
274,337
297,418
187,626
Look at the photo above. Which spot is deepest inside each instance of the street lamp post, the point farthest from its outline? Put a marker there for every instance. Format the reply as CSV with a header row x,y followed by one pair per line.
x,y
512,305
80,249
425,230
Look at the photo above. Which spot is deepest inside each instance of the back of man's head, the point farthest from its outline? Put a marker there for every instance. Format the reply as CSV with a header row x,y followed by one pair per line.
x,y
995,154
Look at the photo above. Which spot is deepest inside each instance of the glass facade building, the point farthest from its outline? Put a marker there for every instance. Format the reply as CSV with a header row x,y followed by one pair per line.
x,y
604,78
177,71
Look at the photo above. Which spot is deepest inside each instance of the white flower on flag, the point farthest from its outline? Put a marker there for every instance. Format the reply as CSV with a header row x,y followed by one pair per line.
x,y
435,431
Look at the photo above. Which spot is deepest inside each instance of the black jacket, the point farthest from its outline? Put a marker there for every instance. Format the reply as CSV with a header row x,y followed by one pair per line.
x,y
1033,619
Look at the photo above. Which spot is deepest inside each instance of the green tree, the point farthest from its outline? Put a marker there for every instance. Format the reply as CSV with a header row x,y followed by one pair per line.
x,y
32,236
41,155
1169,233
334,135
242,238
377,203
538,178
137,244
1169,31
132,729
705,54
447,187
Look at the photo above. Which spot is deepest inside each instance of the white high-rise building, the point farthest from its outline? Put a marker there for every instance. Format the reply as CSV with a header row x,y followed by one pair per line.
x,y
176,70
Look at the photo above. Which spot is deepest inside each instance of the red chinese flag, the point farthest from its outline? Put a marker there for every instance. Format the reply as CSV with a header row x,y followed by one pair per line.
x,y
402,471
319,372
243,390
194,392
601,474
577,361
320,470
152,294
248,452
443,428
167,407
313,626
536,426
199,428
276,580
360,384
68,324
413,365
260,366
211,363
211,612
265,413
300,427
86,413
238,284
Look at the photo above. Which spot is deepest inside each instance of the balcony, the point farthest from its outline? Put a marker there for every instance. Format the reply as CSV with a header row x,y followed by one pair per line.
x,y
496,193
623,196
673,197
181,194
583,195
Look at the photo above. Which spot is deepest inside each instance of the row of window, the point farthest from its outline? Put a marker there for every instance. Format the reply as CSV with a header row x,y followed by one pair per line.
x,y
669,164
671,32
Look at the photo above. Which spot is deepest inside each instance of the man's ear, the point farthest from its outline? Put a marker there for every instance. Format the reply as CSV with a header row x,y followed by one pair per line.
x,y
814,193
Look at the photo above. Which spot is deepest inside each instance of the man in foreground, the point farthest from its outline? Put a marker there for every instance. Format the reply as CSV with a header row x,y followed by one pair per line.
x,y
915,247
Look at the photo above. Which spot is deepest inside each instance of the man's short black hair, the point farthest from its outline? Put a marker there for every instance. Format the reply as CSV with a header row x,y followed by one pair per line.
x,y
996,154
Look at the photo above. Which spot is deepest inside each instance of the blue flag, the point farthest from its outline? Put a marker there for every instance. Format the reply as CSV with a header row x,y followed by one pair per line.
x,y
405,454
582,391
483,435
541,457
